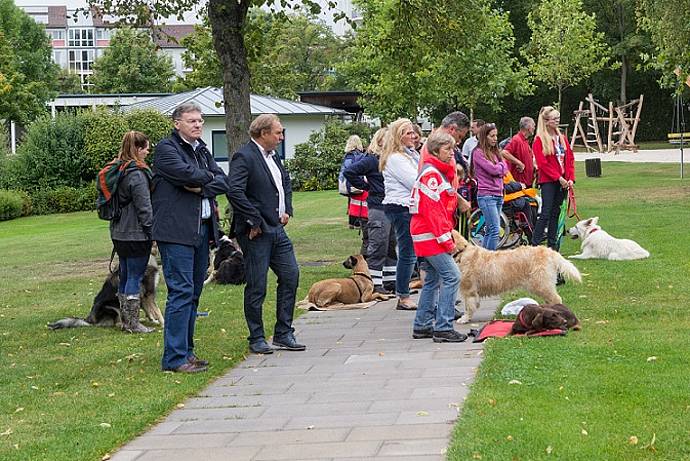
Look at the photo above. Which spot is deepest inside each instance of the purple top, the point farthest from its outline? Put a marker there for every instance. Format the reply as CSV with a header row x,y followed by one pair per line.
x,y
489,175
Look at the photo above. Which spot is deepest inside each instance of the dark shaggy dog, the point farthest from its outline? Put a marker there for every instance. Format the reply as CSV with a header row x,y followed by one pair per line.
x,y
533,319
228,263
106,307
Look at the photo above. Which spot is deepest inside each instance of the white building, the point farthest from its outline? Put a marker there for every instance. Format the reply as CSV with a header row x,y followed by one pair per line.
x,y
299,119
78,38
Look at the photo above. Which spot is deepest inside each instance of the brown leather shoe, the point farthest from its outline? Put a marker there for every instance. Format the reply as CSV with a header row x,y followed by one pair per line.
x,y
194,360
406,305
189,368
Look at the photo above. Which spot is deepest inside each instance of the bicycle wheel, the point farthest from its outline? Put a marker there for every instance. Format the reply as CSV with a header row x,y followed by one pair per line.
x,y
478,229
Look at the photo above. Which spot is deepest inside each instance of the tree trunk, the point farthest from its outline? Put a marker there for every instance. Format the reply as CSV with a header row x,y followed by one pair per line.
x,y
227,25
560,94
624,80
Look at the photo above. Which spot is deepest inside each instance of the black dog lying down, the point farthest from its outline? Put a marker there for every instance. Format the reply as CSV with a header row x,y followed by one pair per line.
x,y
106,307
228,263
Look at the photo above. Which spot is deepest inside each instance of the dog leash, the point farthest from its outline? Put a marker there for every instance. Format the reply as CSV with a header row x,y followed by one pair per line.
x,y
572,204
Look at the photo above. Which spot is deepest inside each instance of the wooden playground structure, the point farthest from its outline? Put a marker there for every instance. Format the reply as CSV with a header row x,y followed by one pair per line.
x,y
619,123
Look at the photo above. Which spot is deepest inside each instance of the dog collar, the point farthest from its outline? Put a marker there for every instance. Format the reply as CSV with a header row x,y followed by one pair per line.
x,y
521,319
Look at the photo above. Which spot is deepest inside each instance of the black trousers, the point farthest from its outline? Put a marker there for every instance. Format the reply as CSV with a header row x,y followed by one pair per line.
x,y
552,195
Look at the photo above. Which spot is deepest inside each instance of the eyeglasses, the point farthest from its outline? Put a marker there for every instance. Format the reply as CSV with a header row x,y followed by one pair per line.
x,y
193,121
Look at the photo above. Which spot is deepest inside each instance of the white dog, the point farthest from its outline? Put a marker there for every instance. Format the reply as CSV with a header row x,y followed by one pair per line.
x,y
599,244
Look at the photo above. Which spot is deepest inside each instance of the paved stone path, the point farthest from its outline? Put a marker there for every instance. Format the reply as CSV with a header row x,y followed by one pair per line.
x,y
364,389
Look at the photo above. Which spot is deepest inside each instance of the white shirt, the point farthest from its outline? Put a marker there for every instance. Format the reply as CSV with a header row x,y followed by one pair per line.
x,y
205,204
468,147
277,177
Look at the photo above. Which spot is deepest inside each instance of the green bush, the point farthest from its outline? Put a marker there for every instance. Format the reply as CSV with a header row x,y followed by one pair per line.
x,y
27,204
10,205
103,134
317,162
152,123
51,155
64,199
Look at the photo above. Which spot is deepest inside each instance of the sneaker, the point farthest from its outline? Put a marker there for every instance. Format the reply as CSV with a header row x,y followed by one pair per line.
x,y
450,336
423,333
408,305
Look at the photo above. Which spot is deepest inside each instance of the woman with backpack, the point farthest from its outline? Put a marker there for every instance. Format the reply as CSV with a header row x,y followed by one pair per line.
x,y
131,233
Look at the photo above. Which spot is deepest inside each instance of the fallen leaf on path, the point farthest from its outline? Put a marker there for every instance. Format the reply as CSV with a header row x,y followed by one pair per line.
x,y
549,450
422,413
105,425
632,440
514,381
180,405
105,457
651,359
584,432
509,438
7,432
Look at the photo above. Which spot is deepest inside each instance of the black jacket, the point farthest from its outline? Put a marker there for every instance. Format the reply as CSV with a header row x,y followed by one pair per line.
x,y
368,168
177,211
137,216
253,193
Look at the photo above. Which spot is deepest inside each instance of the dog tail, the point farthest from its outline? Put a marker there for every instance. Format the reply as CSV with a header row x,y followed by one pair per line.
x,y
69,322
568,269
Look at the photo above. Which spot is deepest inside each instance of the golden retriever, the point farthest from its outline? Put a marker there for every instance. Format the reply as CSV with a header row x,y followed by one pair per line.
x,y
490,273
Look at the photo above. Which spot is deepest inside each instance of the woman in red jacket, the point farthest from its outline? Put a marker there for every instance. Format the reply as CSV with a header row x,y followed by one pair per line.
x,y
556,165
433,204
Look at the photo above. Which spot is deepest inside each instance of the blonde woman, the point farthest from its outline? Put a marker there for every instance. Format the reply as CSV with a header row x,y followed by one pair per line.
x,y
381,254
556,165
398,163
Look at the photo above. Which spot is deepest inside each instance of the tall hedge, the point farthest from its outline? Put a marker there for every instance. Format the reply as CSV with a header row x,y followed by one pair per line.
x,y
317,162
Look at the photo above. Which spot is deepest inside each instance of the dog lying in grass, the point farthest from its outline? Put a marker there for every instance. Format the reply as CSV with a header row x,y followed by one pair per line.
x,y
490,273
534,319
599,244
105,311
357,288
227,263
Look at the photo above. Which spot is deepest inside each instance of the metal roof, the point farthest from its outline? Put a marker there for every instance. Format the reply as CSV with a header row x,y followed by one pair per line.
x,y
211,101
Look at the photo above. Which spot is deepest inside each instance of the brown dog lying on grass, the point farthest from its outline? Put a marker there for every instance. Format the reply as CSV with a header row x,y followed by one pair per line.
x,y
534,319
358,288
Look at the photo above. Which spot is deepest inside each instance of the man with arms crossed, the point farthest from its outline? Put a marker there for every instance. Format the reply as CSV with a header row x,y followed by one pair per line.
x,y
185,183
261,196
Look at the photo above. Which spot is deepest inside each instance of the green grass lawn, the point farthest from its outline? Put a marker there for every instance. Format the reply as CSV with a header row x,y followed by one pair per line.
x,y
625,377
78,394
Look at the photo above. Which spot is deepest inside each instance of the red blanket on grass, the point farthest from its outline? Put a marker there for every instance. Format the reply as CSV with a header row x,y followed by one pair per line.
x,y
501,328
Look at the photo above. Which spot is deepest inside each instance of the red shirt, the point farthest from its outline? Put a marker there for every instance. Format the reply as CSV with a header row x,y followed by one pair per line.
x,y
521,150
550,169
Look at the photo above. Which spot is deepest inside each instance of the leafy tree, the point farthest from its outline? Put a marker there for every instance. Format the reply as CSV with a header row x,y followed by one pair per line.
x,y
422,55
565,47
228,21
131,65
617,20
27,72
667,22
286,54
68,82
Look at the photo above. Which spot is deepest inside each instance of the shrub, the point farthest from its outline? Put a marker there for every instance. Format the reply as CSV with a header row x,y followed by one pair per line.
x,y
51,155
103,134
64,199
150,122
317,162
10,205
27,205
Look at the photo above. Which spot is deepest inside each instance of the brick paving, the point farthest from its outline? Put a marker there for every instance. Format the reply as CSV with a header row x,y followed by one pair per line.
x,y
364,389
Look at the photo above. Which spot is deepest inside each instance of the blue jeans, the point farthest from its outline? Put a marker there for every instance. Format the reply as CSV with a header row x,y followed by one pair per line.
x,y
272,250
491,209
439,292
184,268
131,274
552,196
400,219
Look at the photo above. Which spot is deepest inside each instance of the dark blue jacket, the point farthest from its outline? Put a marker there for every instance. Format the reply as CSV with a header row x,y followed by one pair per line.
x,y
252,192
177,211
367,167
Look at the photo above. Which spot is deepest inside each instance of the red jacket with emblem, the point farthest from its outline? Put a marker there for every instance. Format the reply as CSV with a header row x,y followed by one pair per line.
x,y
549,167
434,201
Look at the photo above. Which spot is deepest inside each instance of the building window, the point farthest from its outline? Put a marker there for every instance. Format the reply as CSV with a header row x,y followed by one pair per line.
x,y
57,34
81,37
81,63
102,34
59,58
